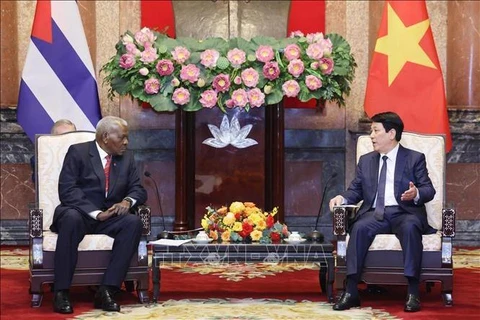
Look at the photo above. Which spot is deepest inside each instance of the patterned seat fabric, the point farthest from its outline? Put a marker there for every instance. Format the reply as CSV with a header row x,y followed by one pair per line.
x,y
431,242
91,242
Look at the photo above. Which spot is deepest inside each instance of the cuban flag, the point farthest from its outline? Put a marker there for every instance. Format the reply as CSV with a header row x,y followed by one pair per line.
x,y
58,80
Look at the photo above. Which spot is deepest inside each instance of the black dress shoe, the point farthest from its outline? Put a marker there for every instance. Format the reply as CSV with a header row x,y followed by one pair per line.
x,y
412,304
104,300
346,302
61,302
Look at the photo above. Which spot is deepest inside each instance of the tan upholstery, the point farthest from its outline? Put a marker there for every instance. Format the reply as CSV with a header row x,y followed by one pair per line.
x,y
431,242
52,150
91,242
433,147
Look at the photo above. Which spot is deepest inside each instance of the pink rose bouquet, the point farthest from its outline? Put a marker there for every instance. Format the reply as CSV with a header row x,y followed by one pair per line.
x,y
192,75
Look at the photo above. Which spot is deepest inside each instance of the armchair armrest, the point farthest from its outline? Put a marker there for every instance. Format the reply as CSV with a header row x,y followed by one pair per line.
x,y
36,223
145,214
36,238
448,222
448,232
341,216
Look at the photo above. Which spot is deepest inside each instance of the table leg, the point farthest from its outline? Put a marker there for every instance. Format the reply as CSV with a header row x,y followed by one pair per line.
x,y
330,278
155,278
326,277
323,277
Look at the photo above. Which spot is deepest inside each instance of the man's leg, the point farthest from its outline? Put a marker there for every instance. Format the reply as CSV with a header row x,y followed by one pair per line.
x,y
408,229
126,230
71,230
362,234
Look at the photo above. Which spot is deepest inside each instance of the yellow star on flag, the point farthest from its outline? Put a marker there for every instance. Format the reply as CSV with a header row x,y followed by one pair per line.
x,y
402,44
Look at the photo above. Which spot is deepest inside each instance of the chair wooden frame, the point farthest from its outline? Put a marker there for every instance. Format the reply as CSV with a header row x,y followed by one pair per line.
x,y
91,264
386,266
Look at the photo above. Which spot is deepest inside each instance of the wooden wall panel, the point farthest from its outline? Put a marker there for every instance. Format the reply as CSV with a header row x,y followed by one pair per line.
x,y
8,53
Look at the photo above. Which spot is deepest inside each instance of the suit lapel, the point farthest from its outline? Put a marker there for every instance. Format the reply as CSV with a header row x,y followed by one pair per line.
x,y
374,171
97,164
399,169
116,161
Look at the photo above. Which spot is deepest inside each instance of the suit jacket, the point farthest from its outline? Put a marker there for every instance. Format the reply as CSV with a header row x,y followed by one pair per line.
x,y
82,181
410,166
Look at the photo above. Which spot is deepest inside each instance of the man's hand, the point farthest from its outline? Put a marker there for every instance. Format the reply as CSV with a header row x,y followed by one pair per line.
x,y
337,201
410,194
115,210
107,214
121,208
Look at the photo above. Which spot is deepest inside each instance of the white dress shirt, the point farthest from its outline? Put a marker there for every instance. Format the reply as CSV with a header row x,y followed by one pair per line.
x,y
390,181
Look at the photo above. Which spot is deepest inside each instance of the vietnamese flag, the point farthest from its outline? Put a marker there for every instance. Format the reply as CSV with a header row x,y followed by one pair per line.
x,y
405,75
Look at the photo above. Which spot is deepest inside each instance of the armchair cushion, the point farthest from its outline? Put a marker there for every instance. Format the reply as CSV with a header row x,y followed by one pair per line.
x,y
51,150
91,242
431,242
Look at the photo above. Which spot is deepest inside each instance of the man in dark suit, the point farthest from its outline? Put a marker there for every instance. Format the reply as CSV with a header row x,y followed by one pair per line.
x,y
394,185
98,185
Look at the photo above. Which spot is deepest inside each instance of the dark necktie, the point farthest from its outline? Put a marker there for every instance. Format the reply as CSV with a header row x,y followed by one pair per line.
x,y
107,172
380,207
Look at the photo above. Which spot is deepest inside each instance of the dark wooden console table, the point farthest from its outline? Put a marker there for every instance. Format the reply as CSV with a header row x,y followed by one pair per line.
x,y
247,253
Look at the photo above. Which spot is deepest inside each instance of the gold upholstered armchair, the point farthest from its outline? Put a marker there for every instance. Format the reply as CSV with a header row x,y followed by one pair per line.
x,y
95,249
384,261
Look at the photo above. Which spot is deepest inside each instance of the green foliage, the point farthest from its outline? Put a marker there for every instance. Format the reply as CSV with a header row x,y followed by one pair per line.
x,y
130,81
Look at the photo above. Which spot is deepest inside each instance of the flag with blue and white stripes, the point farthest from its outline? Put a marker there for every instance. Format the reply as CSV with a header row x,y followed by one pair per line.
x,y
58,80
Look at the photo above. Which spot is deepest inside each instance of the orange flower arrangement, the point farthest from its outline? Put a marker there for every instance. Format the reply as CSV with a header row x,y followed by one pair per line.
x,y
241,221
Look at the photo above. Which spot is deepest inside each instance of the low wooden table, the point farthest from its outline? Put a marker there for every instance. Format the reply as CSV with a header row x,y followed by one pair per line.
x,y
243,253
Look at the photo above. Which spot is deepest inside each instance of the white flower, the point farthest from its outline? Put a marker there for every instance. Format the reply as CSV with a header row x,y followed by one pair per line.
x,y
201,83
127,39
230,133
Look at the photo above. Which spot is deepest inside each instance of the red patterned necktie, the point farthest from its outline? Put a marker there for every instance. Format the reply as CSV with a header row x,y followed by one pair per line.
x,y
107,172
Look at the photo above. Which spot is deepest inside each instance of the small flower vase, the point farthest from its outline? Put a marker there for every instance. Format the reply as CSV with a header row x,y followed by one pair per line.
x,y
276,241
247,240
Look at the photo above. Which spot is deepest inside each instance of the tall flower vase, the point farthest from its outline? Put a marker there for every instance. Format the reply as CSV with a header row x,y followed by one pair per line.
x,y
226,157
229,158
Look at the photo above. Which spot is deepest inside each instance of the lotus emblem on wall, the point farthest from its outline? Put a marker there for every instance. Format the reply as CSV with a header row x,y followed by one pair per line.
x,y
230,133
